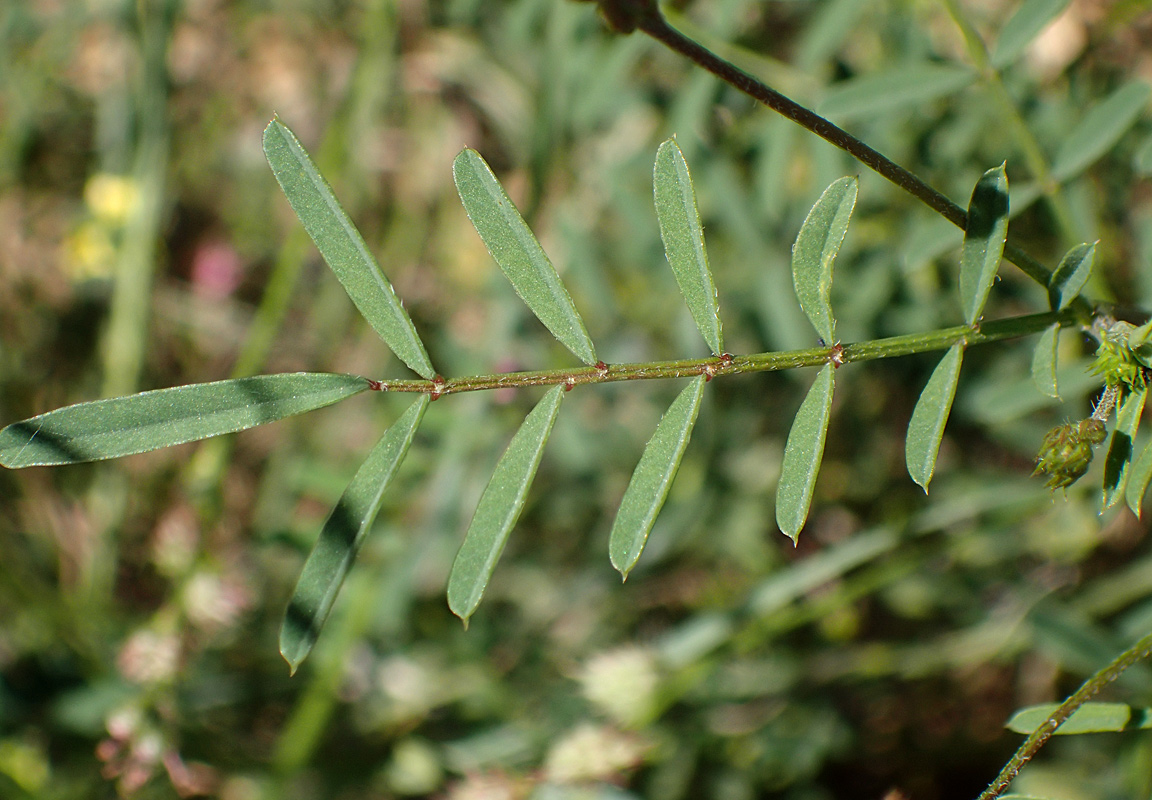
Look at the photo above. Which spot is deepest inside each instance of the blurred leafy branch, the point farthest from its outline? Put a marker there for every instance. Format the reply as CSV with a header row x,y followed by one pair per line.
x,y
111,428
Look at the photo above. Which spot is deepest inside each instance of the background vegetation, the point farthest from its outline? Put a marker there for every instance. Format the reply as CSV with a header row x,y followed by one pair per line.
x,y
144,243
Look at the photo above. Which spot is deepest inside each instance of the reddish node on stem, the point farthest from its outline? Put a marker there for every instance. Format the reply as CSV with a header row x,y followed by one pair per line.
x,y
437,387
569,382
376,386
726,358
709,372
602,369
836,356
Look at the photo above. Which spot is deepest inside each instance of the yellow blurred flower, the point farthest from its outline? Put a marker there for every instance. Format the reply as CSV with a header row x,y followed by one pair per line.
x,y
89,252
111,198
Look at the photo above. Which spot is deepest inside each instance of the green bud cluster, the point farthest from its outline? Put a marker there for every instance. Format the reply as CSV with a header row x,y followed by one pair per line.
x,y
1066,452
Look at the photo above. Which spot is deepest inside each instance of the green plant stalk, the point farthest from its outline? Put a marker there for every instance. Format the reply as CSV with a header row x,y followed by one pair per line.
x,y
1137,652
1029,147
645,15
872,350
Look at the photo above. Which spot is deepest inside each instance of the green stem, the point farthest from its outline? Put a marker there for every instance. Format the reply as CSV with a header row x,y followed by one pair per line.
x,y
1030,149
737,365
1139,651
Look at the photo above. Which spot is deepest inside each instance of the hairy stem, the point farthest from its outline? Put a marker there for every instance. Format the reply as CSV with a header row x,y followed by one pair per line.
x,y
737,365
1139,651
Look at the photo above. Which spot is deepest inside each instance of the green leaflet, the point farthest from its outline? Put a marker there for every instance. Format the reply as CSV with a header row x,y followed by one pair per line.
x,y
1091,717
926,428
1044,361
652,478
815,250
514,247
1100,129
1071,275
342,247
500,507
1139,476
341,537
908,86
1022,27
121,426
1120,447
683,238
983,241
803,454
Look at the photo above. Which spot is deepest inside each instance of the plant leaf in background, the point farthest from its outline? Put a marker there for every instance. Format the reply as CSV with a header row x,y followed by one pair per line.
x,y
683,238
1032,17
652,478
1091,717
122,426
1070,276
803,454
500,507
1044,361
815,251
1139,476
1100,129
926,428
341,537
342,247
983,241
1120,447
908,86
514,247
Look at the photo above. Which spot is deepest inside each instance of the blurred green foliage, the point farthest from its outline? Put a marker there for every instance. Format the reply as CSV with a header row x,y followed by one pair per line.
x,y
140,599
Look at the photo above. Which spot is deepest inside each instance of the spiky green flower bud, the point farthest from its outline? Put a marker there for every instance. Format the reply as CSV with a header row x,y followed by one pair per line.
x,y
1066,452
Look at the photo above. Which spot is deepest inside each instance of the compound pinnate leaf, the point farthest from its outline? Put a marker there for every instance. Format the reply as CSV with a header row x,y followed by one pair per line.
x,y
500,507
1139,476
342,247
520,256
652,478
926,428
1022,27
683,237
341,537
1071,275
122,426
815,251
1100,129
1119,456
983,241
803,454
1091,717
1044,361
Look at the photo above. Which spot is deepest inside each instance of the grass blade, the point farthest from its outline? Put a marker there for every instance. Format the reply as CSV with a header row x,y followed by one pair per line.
x,y
500,507
1022,27
342,247
983,241
815,250
1044,362
683,238
1120,447
803,454
652,478
1139,476
926,428
1069,278
1092,717
906,87
341,537
1100,129
122,426
514,247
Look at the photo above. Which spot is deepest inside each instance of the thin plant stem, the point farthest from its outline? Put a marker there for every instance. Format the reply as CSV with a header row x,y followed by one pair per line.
x,y
837,354
645,15
1137,652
